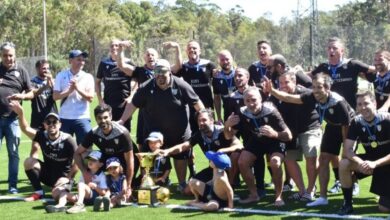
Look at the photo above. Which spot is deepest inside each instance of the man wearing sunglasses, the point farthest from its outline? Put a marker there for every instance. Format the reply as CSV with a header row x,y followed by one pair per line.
x,y
57,168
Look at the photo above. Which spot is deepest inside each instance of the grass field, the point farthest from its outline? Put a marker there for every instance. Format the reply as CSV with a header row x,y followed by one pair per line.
x,y
365,204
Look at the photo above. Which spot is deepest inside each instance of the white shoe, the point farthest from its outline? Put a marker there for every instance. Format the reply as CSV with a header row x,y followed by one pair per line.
x,y
356,189
318,202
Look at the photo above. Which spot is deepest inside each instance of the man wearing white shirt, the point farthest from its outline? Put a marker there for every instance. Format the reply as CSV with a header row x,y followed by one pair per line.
x,y
75,89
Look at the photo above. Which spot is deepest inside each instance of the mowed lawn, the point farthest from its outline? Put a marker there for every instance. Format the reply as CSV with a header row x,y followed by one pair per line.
x,y
365,203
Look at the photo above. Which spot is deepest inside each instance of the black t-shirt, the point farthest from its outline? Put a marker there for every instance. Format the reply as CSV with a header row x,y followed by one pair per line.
x,y
299,118
57,154
223,85
12,81
114,144
235,102
166,110
42,104
199,77
302,79
216,142
336,111
377,131
250,124
344,77
117,85
382,89
143,74
257,72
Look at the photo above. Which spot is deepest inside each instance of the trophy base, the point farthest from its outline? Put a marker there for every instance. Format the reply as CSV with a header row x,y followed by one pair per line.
x,y
148,196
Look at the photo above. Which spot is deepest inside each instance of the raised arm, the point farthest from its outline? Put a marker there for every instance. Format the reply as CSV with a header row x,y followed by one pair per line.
x,y
122,64
24,126
178,58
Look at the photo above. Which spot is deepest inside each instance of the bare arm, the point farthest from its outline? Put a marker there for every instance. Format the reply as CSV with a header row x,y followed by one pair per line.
x,y
236,145
78,159
198,105
177,149
285,97
24,126
129,157
178,58
129,111
98,90
86,94
228,130
125,67
348,151
35,147
217,105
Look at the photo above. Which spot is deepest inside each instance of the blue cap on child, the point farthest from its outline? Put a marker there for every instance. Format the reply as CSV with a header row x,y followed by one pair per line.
x,y
220,160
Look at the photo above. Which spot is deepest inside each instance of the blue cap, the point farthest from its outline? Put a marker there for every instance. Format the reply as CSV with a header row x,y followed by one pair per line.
x,y
76,53
94,155
112,162
220,160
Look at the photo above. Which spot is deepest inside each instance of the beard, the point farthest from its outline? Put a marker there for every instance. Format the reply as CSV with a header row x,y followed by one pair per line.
x,y
105,125
206,129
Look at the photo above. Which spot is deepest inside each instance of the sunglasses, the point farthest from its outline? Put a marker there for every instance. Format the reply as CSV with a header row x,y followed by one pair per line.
x,y
160,71
51,122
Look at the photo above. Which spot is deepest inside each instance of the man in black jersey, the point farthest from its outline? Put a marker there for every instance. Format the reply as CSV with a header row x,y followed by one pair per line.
x,y
258,69
165,100
337,113
223,84
382,80
209,137
372,129
262,129
57,167
43,102
113,140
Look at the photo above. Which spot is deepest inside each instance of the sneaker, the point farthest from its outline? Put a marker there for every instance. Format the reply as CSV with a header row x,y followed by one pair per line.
x,y
261,193
13,190
76,208
33,197
336,188
180,188
269,185
318,202
345,210
97,203
288,187
54,209
106,203
356,189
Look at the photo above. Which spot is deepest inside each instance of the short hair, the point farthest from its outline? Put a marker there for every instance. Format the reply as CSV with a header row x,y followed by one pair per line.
x,y
366,93
384,53
225,52
290,74
252,89
336,40
39,63
279,59
263,42
327,80
101,109
7,45
208,111
243,70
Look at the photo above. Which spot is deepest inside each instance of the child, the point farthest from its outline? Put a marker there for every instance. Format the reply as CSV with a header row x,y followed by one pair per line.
x,y
116,182
162,165
217,194
87,192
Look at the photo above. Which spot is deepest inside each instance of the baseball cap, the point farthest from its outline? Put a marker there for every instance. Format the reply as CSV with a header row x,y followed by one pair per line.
x,y
162,66
94,155
52,114
155,136
112,162
220,160
76,53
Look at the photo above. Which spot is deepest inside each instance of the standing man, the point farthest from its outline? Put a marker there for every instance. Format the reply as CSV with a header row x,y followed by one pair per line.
x,y
43,102
165,101
75,90
262,129
258,69
382,80
113,140
14,80
372,129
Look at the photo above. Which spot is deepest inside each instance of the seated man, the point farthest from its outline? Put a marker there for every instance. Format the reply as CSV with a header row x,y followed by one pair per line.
x,y
217,193
57,167
372,129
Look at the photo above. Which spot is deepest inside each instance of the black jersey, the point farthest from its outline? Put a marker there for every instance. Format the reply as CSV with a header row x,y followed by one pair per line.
x,y
117,85
336,111
12,81
235,102
143,74
42,104
114,144
199,77
257,73
223,85
213,143
344,76
382,89
57,154
166,110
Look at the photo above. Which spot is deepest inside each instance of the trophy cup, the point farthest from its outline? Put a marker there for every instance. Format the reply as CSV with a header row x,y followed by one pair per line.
x,y
147,193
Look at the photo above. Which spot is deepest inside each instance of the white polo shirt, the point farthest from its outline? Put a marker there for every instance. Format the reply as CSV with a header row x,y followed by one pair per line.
x,y
74,106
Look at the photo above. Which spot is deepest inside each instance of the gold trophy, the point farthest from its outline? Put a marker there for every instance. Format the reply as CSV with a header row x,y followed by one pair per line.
x,y
147,193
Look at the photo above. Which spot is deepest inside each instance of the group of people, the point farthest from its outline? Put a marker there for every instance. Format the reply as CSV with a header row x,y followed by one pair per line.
x,y
276,110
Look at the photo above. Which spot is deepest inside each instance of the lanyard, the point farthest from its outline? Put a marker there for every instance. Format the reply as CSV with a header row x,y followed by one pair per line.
x,y
382,81
194,66
149,73
333,69
262,69
117,185
371,135
321,111
228,79
256,124
157,166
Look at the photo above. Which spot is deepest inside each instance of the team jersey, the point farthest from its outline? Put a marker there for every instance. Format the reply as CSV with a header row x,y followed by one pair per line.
x,y
382,89
223,85
213,143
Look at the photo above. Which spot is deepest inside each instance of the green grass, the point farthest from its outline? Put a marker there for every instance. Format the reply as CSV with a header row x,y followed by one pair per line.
x,y
365,204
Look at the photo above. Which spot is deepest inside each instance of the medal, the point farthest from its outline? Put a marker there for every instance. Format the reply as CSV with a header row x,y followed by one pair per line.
x,y
374,144
381,97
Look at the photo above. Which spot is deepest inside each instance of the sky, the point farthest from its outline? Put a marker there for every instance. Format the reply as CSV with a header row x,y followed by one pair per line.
x,y
273,9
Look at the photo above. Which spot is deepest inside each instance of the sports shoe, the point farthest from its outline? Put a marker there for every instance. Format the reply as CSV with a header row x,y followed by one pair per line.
x,y
180,188
13,190
318,202
345,210
106,203
269,185
76,208
355,189
97,203
261,193
33,197
54,209
305,197
288,187
336,188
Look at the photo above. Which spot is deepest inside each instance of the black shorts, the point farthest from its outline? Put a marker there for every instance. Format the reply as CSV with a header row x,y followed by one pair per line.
x,y
384,201
204,175
332,140
270,148
48,175
183,155
209,194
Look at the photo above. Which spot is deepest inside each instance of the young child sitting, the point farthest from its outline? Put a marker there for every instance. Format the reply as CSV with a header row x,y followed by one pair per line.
x,y
87,192
218,193
116,181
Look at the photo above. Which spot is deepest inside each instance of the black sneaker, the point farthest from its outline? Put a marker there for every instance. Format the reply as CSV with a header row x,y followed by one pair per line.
x,y
106,203
54,209
261,193
345,210
97,203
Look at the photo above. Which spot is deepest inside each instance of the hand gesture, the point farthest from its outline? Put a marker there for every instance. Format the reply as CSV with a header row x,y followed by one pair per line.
x,y
126,44
16,107
232,120
268,131
170,44
92,185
